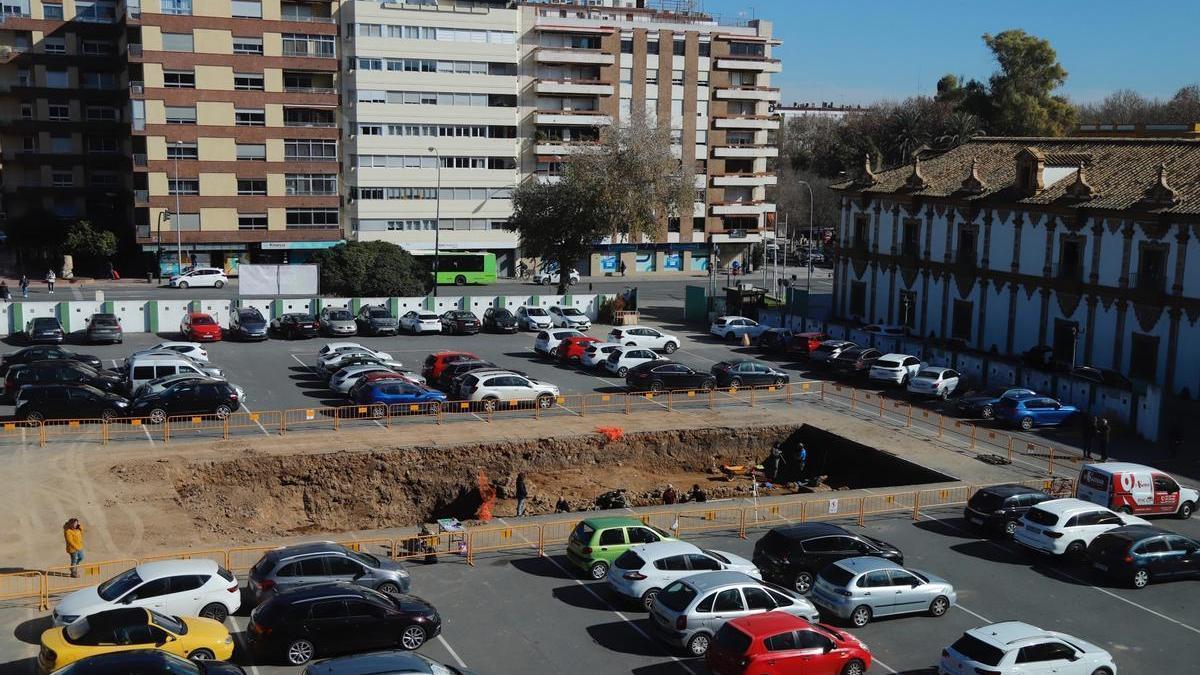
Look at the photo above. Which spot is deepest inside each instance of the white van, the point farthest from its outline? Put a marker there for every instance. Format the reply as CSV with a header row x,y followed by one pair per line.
x,y
1133,488
146,367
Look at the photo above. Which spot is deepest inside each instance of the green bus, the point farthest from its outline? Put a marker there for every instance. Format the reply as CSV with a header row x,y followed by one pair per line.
x,y
461,267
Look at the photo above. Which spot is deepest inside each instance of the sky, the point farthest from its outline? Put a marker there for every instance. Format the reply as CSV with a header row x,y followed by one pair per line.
x,y
859,51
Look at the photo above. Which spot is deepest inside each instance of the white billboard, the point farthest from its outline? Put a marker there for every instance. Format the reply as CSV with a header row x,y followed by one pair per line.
x,y
303,280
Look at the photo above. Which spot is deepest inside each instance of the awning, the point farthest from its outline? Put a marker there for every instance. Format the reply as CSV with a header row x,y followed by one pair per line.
x,y
298,245
169,247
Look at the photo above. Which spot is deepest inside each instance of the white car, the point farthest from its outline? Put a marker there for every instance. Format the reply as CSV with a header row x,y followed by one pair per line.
x,y
419,323
207,369
1016,648
335,347
894,369
569,317
934,381
330,362
731,327
199,277
196,587
622,359
497,388
644,570
344,379
597,353
829,350
644,336
533,318
551,277
547,341
192,350
1067,526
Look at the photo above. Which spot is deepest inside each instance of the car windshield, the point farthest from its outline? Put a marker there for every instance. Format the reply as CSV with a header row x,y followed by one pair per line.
x,y
536,311
677,596
203,320
339,315
463,315
77,629
436,668
170,623
378,313
887,363
118,585
502,314
1041,517
977,650
714,554
571,311
106,321
427,317
364,558
250,315
837,575
732,640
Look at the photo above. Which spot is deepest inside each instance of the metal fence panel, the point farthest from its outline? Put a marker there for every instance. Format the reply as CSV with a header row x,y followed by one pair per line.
x,y
59,579
19,585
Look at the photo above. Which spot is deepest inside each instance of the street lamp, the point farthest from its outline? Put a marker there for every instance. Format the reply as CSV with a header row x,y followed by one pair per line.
x,y
162,215
178,234
808,252
437,222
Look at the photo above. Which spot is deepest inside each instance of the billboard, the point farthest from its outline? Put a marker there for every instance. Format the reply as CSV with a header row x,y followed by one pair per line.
x,y
302,280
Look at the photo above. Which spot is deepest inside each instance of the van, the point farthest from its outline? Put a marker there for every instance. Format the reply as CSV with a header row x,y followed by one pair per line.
x,y
1133,488
144,368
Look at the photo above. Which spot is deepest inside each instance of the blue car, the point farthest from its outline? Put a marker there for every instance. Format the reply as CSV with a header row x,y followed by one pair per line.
x,y
983,403
1027,412
395,392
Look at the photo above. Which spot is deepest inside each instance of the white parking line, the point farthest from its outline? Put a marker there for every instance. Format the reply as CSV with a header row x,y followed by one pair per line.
x,y
260,426
975,614
147,432
875,660
240,643
457,658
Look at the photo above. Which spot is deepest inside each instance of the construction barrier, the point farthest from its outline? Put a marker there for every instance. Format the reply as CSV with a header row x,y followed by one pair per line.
x,y
59,579
506,538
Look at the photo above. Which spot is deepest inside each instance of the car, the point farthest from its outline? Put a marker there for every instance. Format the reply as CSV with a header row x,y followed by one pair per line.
x,y
935,381
331,348
198,277
189,397
533,318
496,388
376,320
688,612
775,340
894,369
58,371
644,336
396,392
499,320
1017,648
459,322
1027,412
749,372
776,643
453,377
332,359
620,360
44,330
147,661
159,384
349,359
885,329
247,323
392,662
193,587
573,348
321,619
665,375
337,321
287,567
199,327
345,379
859,589
804,344
384,377
193,350
43,352
856,360
638,574
143,367
569,317
1138,555
1065,527
419,323
551,276
103,327
1000,507
547,341
982,404
792,555
1104,376
294,326
128,628
436,362
69,401
1135,488
828,350
596,354
595,543
734,327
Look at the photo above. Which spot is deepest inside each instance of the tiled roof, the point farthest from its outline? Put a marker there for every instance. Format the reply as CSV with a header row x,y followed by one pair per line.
x,y
1122,171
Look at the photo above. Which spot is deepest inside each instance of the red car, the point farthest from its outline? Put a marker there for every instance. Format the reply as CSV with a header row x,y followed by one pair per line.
x,y
436,363
200,327
572,348
774,643
804,343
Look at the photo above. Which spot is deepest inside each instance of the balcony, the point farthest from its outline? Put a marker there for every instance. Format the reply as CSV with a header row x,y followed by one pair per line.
x,y
575,87
141,198
735,93
573,118
753,122
555,148
134,51
742,208
748,151
139,160
756,64
586,56
745,180
137,89
1070,273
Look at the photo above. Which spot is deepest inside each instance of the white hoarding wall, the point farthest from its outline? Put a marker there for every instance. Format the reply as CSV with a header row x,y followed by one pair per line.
x,y
257,280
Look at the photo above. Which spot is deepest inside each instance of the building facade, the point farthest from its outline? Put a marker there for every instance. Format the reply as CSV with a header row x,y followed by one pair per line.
x,y
1004,244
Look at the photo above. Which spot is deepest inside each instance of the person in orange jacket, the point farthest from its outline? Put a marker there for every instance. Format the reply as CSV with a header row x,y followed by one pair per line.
x,y
73,536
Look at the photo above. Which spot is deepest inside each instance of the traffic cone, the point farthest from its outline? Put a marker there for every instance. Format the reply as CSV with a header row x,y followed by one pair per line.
x,y
745,339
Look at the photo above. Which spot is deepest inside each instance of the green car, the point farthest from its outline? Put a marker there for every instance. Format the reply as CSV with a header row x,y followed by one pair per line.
x,y
597,542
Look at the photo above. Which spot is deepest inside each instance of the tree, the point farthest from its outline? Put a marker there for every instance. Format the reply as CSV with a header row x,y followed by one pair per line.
x,y
85,241
372,268
1023,103
558,221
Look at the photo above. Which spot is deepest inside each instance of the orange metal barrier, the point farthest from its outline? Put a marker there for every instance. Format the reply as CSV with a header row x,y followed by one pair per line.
x,y
135,428
219,556
241,559
22,431
18,585
74,431
59,579
557,532
507,538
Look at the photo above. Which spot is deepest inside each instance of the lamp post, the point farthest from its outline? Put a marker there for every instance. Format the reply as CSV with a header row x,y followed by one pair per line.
x,y
178,235
437,221
162,215
808,252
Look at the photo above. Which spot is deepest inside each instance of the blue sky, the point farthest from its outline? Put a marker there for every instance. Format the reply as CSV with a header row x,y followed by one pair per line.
x,y
857,51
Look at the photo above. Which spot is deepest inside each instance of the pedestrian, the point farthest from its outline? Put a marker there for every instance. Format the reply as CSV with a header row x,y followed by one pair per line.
x,y
561,506
24,286
4,292
734,267
801,459
773,466
522,494
73,535
697,495
1103,430
621,268
522,269
50,280
669,495
1087,429
1175,441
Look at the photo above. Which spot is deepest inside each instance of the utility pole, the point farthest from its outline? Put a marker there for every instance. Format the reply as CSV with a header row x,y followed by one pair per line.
x,y
437,222
178,233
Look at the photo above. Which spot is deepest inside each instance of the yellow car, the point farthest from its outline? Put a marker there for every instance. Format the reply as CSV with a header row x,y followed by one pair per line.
x,y
125,629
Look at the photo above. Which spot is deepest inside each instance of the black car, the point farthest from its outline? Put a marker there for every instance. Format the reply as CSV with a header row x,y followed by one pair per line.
x,y
1000,507
393,662
43,352
664,375
60,371
69,401
775,340
983,403
459,322
247,323
856,361
794,554
295,325
44,330
299,624
1105,376
499,320
376,320
146,661
104,328
1139,554
190,397
452,371
747,372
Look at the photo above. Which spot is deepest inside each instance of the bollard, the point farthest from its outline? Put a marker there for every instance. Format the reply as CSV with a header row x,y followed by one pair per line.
x,y
583,405
916,505
787,393
908,421
1051,465
941,425
1010,444
880,406
752,388
973,429
668,400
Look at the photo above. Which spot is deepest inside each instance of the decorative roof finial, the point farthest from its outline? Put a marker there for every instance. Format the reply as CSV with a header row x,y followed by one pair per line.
x,y
868,176
916,179
973,184
1081,188
1161,193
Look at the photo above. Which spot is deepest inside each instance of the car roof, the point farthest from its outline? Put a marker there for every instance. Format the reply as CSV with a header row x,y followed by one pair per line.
x,y
390,661
1068,505
897,355
166,568
935,369
1135,532
864,563
601,522
321,590
1119,467
306,548
1009,489
768,623
809,530
104,315
199,314
1007,633
706,581
665,548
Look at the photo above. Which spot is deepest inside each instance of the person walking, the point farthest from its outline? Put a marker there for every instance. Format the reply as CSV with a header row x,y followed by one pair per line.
x,y
698,495
621,268
5,293
24,286
50,280
73,536
1103,430
801,460
522,494
669,495
1087,429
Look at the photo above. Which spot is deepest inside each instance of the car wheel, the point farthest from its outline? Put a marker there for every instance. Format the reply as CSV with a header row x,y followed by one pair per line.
x,y
987,413
779,382
1185,510
1075,550
709,384
803,582
553,352
656,386
222,412
545,401
34,416
939,606
670,347
1141,579
1026,423
201,655
648,598
460,280
735,382
572,282
158,416
412,637
598,570
218,284
729,336
388,587
854,667
944,394
1010,528
215,611
622,371
1102,671
299,652
183,284
861,616
698,645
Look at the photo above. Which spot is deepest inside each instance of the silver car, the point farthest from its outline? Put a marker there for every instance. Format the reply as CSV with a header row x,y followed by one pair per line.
x,y
337,321
689,612
290,567
859,589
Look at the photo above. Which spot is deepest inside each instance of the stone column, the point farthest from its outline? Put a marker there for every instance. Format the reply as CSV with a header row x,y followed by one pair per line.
x,y
947,280
1091,328
1097,237
924,301
1013,292
1181,245
1045,314
983,298
1119,343
1126,254
1172,349
987,241
1018,223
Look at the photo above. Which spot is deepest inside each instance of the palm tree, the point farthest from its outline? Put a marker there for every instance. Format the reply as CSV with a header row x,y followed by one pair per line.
x,y
907,131
960,127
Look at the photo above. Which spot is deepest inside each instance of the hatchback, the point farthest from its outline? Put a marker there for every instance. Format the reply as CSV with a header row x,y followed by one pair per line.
x,y
894,369
982,404
499,320
1028,412
195,587
1016,648
935,381
776,643
420,323
804,344
104,328
44,330
748,372
1000,507
396,392
1065,527
127,628
436,362
856,360
337,321
597,353
860,589
199,276
147,661
69,401
828,350
533,318
376,320
793,554
620,360
596,543
688,612
189,397
459,322
1138,555
546,343
641,572
570,317
193,350
644,337
295,325
573,348
199,327
247,323
288,567
734,327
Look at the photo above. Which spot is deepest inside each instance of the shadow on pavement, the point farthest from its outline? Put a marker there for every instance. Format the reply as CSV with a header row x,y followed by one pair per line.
x,y
30,632
948,527
19,667
621,636
595,596
543,567
986,550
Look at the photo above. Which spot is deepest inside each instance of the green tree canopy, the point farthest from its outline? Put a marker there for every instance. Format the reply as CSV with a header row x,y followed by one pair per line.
x,y
86,241
1022,91
372,268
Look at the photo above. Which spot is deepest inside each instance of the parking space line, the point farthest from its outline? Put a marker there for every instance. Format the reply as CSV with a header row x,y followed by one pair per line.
x,y
457,658
240,643
885,666
148,436
974,614
260,426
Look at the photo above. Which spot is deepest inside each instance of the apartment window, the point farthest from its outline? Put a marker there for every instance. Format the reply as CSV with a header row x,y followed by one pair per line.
x,y
101,113
311,184
370,129
54,12
1152,269
370,64
183,186
98,80
105,179
676,77
300,219
177,7
678,47
252,187
26,111
369,30
861,234
747,49
179,79
61,179
182,151
248,81
960,326
57,78
370,193
55,45
59,112
858,299
102,145
98,48
252,221
180,115
1143,357
705,49
29,144
177,42
310,150
1069,266
652,46
910,248
247,45
185,221
672,224
250,117
308,117
298,44
966,246
252,151
24,79
627,75
251,9
652,77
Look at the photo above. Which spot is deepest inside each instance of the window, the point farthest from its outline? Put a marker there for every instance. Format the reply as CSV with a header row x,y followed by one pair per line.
x,y
626,46
57,78
60,143
910,248
811,639
182,151
252,187
177,7
652,46
702,562
298,44
612,537
311,218
746,49
106,145
98,48
311,184
180,115
757,598
183,186
250,117
1143,357
55,45
902,578
641,535
54,12
961,325
101,113
188,582
151,589
1152,269
247,45
858,298
62,179
1157,545
966,253
248,81
310,150
247,8
705,49
340,565
179,79
177,42
728,601
26,111
98,81
252,221
59,112
330,609
781,643
678,47
253,151
1047,651
1069,259
674,563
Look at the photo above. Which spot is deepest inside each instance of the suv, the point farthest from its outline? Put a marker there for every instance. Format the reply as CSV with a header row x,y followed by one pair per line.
x,y
104,328
794,554
289,567
643,336
44,330
376,320
59,371
1000,507
495,386
195,587
68,401
596,543
1014,647
1066,526
199,276
856,361
189,397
